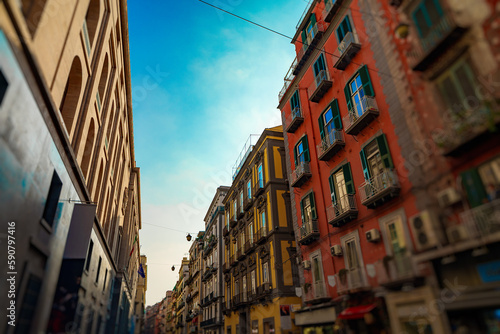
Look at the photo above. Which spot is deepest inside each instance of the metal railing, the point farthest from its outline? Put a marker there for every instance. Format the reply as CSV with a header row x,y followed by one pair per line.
x,y
482,220
296,112
309,227
318,27
357,111
349,39
378,183
288,79
322,76
343,204
352,279
394,268
331,138
301,169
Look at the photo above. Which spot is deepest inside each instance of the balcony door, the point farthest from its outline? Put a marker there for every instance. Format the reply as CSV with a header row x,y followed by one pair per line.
x,y
353,260
340,190
329,126
319,69
357,94
317,272
307,210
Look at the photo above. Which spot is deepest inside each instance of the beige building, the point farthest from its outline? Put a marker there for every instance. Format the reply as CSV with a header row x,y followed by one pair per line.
x,y
68,162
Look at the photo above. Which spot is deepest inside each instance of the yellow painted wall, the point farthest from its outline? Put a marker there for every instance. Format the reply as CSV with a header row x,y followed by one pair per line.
x,y
266,167
278,169
272,265
287,265
280,203
269,215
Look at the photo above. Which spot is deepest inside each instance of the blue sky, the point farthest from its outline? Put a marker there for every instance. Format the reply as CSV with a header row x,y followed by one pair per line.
x,y
202,82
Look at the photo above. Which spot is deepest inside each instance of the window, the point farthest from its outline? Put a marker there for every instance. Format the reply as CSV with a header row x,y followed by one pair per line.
x,y
235,209
260,176
105,280
482,184
319,69
301,151
376,158
3,86
426,16
343,29
98,270
308,32
341,185
28,306
249,189
317,273
241,201
89,255
295,104
329,121
253,286
353,259
51,203
236,287
308,208
457,87
250,232
356,90
244,288
265,272
263,221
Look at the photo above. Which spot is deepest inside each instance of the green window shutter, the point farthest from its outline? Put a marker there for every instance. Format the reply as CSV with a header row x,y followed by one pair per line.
x,y
321,123
337,120
304,37
333,192
313,206
476,194
384,151
366,81
312,20
364,164
295,154
347,92
306,149
349,183
302,210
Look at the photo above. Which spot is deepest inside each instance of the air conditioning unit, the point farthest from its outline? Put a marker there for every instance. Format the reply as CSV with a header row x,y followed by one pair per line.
x,y
307,264
426,230
457,233
373,235
448,196
336,250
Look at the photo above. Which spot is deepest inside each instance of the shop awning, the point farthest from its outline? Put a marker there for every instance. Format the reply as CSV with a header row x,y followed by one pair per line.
x,y
356,312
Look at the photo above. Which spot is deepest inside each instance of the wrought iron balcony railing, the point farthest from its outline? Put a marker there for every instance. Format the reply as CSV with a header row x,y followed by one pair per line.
x,y
379,189
361,115
309,232
346,51
321,84
343,211
301,174
294,120
330,145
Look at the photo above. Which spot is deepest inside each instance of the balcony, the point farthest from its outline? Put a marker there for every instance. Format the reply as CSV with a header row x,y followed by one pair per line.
x,y
226,267
379,189
288,79
342,212
316,293
322,83
247,202
309,232
233,221
180,305
296,118
440,38
240,254
301,174
232,260
351,281
209,322
330,145
331,8
249,246
225,231
482,221
264,290
346,51
262,235
259,188
360,115
309,45
241,213
395,271
464,130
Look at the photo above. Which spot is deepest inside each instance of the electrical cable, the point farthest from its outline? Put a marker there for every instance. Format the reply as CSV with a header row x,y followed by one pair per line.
x,y
290,38
168,228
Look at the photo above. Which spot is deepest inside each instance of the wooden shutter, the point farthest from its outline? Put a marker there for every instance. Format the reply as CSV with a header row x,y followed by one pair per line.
x,y
313,205
384,151
364,164
337,120
366,81
306,149
321,123
349,183
333,192
347,92
476,194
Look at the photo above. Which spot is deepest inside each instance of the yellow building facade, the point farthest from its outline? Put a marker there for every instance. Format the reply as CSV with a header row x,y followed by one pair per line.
x,y
260,272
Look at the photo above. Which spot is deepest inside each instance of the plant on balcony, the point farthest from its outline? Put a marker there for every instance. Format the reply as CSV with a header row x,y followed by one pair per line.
x,y
343,275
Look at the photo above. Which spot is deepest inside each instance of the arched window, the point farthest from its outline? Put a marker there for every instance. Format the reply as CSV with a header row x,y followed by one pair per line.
x,y
102,82
97,189
89,144
71,94
32,11
92,18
